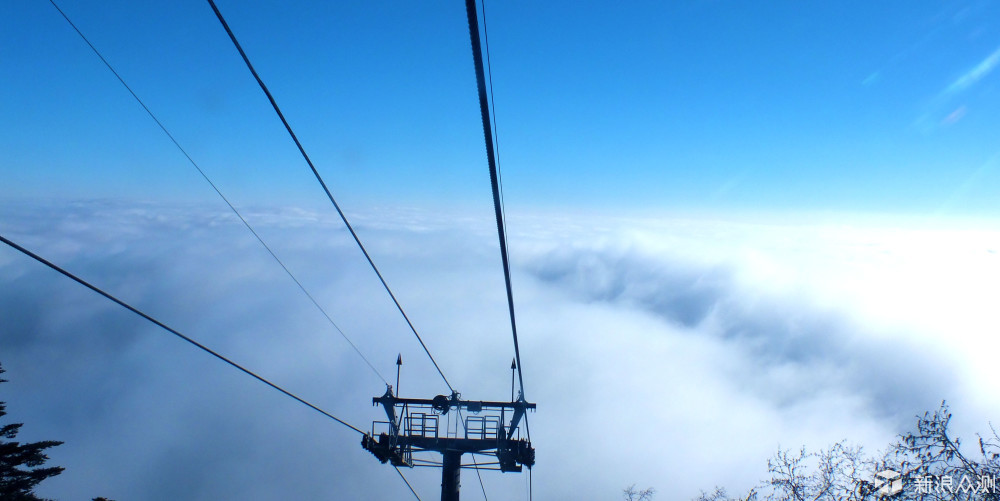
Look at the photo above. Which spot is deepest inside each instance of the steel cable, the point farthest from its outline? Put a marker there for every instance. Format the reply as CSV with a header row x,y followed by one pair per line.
x,y
319,178
173,331
219,192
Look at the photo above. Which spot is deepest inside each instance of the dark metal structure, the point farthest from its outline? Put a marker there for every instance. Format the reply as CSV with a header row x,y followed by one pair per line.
x,y
417,429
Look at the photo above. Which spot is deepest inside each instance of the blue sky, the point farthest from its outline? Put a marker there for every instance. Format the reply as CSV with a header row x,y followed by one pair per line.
x,y
886,107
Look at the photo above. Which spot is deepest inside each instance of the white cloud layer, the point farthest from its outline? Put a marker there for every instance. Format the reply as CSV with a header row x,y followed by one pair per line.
x,y
665,352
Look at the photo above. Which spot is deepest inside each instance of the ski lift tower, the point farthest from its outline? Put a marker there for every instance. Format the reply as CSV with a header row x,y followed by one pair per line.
x,y
417,429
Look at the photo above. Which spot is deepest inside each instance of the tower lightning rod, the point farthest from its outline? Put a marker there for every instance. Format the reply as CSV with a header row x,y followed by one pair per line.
x,y
399,363
513,366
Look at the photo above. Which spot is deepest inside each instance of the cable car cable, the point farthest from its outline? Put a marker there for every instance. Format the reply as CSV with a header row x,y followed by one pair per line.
x,y
169,329
407,483
219,192
477,54
319,178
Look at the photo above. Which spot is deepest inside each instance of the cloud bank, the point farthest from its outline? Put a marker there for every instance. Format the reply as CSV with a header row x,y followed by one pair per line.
x,y
661,351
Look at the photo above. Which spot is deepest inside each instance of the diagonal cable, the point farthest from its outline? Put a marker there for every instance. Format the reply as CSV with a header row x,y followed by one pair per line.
x,y
481,484
407,483
204,348
274,104
219,192
474,462
503,208
200,346
493,108
477,55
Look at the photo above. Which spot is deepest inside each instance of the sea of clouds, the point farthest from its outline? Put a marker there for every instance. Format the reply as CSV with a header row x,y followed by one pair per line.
x,y
672,352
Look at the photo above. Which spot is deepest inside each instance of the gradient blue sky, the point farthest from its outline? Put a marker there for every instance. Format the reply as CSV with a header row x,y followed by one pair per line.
x,y
713,105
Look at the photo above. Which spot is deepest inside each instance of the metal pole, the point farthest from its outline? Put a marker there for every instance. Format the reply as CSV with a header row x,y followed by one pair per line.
x,y
399,363
512,367
451,471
